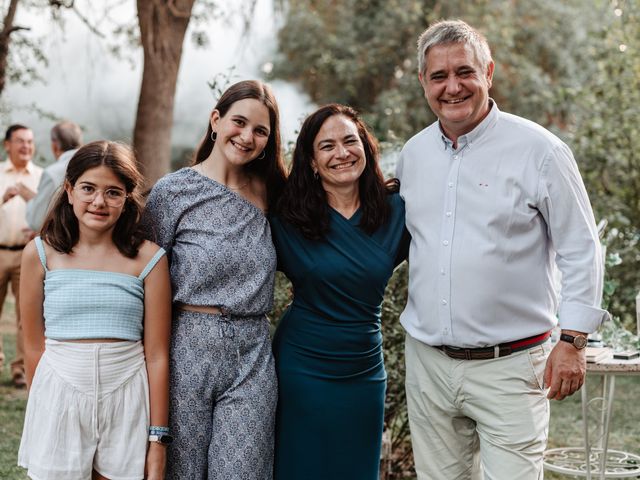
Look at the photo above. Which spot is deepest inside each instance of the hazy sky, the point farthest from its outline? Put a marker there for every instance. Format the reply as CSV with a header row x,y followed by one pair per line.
x,y
85,83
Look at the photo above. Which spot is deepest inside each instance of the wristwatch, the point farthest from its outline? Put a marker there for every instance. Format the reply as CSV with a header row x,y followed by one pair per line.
x,y
578,341
163,438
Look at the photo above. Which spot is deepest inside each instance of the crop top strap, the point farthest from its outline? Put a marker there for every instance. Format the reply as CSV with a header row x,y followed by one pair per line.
x,y
41,254
152,263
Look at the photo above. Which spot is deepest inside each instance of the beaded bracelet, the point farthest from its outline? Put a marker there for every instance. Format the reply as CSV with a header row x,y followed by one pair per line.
x,y
154,430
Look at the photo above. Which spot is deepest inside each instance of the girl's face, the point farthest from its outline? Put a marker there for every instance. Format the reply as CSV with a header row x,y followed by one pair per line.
x,y
98,198
242,134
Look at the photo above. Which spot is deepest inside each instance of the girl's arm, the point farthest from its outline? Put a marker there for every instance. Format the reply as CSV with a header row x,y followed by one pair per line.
x,y
157,329
31,316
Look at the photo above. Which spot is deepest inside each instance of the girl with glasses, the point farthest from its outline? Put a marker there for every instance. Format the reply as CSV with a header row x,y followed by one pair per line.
x,y
96,319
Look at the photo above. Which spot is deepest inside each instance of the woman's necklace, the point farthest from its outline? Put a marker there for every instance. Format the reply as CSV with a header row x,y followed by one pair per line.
x,y
201,169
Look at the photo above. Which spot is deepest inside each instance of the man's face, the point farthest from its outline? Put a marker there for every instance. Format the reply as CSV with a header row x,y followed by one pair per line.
x,y
20,147
456,87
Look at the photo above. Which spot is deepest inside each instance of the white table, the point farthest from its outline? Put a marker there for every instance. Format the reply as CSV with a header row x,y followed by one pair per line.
x,y
595,459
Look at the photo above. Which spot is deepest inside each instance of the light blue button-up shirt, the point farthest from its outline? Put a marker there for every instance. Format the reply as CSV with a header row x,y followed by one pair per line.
x,y
488,221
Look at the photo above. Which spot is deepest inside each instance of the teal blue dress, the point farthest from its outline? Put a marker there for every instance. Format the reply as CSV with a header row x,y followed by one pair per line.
x,y
328,347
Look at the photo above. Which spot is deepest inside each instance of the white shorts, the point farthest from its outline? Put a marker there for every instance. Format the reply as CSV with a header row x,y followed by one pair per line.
x,y
88,409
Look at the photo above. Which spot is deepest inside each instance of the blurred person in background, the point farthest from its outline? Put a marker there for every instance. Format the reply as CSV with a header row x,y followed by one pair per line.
x,y
66,138
19,178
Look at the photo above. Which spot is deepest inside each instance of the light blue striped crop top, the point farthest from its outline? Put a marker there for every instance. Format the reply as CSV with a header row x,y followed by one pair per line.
x,y
83,304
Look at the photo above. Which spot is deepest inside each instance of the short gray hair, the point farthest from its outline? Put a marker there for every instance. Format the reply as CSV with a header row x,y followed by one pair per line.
x,y
67,135
446,32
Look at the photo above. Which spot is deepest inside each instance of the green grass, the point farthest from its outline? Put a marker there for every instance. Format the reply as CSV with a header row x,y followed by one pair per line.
x,y
566,419
12,405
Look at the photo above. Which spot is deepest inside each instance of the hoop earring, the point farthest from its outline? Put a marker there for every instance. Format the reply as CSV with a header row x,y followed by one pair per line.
x,y
261,156
214,135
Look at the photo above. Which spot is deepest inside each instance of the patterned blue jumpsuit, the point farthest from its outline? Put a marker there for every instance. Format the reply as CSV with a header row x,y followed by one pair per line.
x,y
223,388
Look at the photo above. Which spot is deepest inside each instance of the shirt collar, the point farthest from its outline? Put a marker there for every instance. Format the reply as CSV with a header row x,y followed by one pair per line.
x,y
468,139
8,166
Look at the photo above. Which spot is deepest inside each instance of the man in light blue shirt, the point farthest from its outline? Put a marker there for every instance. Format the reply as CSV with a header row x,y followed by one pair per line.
x,y
494,203
66,138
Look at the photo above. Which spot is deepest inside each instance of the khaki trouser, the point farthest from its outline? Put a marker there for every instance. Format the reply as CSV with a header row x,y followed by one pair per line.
x,y
10,275
457,406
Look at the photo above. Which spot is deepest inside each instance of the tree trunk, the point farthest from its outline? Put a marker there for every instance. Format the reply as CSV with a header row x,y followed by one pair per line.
x,y
5,40
163,24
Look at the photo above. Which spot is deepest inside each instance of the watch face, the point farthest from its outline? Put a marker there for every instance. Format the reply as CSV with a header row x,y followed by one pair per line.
x,y
580,341
165,439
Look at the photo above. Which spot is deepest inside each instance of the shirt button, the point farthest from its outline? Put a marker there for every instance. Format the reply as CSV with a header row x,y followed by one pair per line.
x,y
450,184
445,243
442,271
444,302
448,214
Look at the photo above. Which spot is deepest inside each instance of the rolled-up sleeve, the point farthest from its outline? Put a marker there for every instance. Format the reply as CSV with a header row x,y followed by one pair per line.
x,y
564,204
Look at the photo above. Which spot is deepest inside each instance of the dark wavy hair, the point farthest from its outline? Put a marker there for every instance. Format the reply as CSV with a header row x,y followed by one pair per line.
x,y
60,229
270,168
304,200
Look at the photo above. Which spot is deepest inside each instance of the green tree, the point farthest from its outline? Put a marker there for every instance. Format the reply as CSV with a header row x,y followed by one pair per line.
x,y
605,135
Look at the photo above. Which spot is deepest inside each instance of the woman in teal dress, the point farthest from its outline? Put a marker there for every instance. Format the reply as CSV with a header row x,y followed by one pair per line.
x,y
339,233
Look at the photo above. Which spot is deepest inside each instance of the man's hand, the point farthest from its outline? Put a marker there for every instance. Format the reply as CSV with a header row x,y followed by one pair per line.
x,y
25,192
9,193
565,370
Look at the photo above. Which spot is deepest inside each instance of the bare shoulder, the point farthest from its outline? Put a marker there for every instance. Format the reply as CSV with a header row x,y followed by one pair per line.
x,y
31,263
30,252
146,252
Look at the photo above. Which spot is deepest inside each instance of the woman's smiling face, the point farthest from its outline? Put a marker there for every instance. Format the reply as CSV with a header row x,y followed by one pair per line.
x,y
338,153
241,134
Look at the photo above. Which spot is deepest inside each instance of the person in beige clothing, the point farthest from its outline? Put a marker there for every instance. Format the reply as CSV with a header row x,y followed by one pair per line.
x,y
19,179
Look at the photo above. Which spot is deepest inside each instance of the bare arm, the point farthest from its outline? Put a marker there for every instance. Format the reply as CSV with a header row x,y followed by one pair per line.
x,y
157,330
31,310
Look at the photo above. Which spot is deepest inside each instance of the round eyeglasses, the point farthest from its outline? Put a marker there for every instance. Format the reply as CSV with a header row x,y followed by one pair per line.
x,y
113,197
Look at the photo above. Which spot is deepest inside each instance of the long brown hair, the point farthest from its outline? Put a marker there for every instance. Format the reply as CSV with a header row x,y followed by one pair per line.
x,y
304,200
269,168
60,229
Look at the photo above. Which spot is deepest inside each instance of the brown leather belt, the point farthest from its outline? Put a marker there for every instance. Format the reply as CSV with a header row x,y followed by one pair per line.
x,y
13,248
496,351
199,308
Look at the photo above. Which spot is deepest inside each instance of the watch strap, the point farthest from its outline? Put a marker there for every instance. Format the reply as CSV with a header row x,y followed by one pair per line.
x,y
578,341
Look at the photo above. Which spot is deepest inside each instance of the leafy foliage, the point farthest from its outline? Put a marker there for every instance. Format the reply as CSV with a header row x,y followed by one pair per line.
x,y
605,135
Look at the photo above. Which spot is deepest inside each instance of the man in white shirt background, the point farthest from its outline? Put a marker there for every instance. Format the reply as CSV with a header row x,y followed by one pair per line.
x,y
66,138
16,173
493,203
